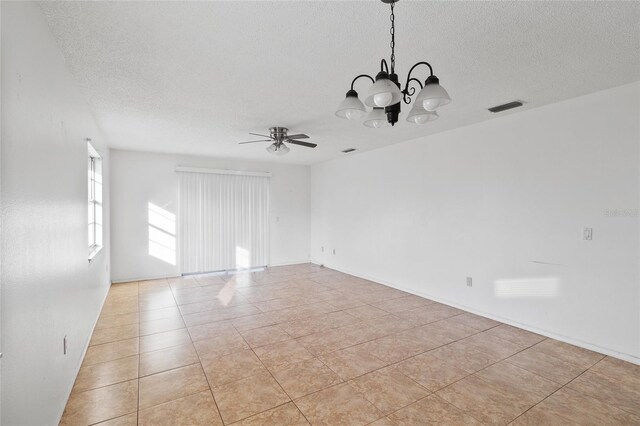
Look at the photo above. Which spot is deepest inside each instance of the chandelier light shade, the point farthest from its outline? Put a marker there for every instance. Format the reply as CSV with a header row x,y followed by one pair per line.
x,y
433,95
419,115
383,93
376,118
386,93
351,107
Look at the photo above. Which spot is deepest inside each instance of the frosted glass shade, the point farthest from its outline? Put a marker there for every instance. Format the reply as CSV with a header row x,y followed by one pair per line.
x,y
433,96
383,93
282,149
376,118
271,148
351,108
419,115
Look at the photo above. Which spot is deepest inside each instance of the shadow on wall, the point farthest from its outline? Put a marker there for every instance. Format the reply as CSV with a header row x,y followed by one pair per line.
x,y
162,234
521,288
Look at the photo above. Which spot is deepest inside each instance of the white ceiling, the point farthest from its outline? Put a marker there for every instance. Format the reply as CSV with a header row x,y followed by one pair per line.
x,y
195,78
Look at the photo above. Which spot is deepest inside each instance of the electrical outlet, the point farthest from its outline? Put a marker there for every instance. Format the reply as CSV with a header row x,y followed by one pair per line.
x,y
469,282
334,251
587,234
64,345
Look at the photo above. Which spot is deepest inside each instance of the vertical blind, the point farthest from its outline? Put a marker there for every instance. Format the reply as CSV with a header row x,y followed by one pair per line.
x,y
224,221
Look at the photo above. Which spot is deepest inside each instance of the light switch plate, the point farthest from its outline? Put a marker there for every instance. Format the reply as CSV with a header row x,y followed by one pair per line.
x,y
587,234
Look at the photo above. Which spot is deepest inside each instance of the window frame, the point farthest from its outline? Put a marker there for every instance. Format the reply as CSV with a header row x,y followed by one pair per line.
x,y
94,210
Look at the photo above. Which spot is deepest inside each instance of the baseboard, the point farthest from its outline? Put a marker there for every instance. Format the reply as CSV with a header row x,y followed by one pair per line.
x,y
293,262
586,345
84,352
144,278
159,277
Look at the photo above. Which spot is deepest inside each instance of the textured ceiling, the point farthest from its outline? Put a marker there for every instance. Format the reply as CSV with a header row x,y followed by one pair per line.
x,y
195,78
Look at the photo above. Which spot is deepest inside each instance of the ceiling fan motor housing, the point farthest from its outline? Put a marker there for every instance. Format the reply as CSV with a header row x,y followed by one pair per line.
x,y
278,133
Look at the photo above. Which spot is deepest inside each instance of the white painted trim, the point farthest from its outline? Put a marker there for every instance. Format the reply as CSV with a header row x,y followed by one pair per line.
x,y
157,277
221,171
586,345
288,263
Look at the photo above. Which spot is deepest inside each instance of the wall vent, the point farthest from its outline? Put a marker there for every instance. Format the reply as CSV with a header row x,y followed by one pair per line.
x,y
504,107
346,151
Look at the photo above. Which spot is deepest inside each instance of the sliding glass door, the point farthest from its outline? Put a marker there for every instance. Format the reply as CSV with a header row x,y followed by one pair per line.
x,y
224,221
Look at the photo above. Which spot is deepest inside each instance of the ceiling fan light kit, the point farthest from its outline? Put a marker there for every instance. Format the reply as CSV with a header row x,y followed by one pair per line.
x,y
386,93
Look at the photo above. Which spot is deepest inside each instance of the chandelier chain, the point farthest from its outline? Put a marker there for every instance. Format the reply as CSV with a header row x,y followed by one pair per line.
x,y
393,40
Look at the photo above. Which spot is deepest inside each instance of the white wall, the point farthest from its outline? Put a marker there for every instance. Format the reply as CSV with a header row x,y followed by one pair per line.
x,y
140,178
491,201
49,289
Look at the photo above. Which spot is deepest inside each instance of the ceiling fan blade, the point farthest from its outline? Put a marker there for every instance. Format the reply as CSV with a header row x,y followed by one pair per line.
x,y
307,144
257,134
299,136
266,140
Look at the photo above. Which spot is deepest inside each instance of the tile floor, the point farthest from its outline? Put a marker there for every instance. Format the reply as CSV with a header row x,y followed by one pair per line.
x,y
302,344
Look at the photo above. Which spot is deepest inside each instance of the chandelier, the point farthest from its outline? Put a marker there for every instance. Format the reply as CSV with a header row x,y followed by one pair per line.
x,y
386,93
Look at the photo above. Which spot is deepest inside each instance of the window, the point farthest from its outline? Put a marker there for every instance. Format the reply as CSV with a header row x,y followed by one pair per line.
x,y
95,201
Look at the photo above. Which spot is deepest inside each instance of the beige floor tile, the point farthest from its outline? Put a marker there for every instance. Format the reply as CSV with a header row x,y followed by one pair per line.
x,y
173,384
538,416
585,410
338,405
223,343
154,342
157,314
365,312
128,420
252,395
161,325
392,347
475,321
117,320
352,362
388,389
530,386
210,330
250,322
284,415
232,367
547,366
465,356
305,377
624,372
400,346
167,359
432,372
485,401
282,353
609,390
521,337
264,336
101,404
566,352
106,373
113,334
432,411
111,351
196,409
401,304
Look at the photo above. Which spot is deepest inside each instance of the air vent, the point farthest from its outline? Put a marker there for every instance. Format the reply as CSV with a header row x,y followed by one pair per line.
x,y
505,107
346,151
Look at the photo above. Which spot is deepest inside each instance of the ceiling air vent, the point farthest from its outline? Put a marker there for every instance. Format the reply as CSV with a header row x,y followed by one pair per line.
x,y
346,151
505,107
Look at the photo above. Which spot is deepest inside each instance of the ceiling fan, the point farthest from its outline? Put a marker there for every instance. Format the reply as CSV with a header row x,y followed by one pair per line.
x,y
278,136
